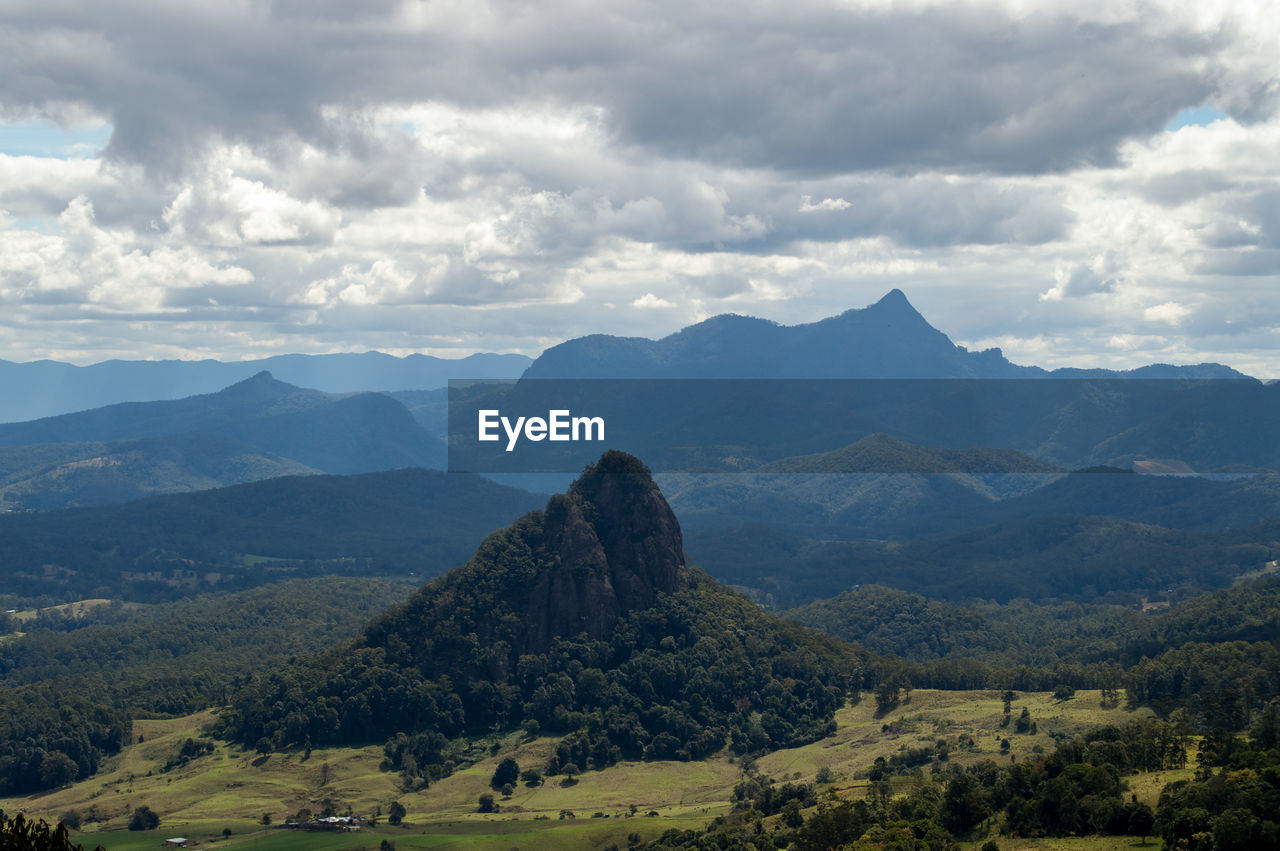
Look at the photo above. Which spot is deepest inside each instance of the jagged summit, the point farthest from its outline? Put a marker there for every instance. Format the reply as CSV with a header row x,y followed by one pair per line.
x,y
894,302
887,339
608,546
614,546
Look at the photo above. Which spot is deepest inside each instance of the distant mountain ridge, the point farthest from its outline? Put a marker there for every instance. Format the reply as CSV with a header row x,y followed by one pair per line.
x,y
888,339
384,523
62,475
47,388
255,429
882,453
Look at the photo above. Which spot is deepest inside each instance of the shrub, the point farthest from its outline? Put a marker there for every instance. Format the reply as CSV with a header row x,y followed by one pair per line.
x,y
144,819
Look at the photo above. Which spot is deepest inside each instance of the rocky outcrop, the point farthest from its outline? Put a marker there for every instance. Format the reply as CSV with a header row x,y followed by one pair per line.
x,y
611,545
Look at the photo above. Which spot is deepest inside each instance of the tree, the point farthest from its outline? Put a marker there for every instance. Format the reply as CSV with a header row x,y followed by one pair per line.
x,y
266,818
71,818
144,819
570,769
395,813
57,769
1141,821
226,833
887,695
507,790
507,773
963,804
487,804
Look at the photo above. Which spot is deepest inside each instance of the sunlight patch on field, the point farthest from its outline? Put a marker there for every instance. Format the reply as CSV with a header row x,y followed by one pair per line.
x,y
234,786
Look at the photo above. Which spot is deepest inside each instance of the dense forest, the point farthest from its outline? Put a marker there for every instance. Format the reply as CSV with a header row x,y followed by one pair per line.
x,y
69,687
1215,654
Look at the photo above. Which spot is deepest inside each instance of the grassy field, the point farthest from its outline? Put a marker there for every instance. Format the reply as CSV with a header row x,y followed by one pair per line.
x,y
73,610
233,787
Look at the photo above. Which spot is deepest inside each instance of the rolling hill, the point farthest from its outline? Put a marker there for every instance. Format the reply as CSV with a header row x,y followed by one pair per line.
x,y
389,523
256,429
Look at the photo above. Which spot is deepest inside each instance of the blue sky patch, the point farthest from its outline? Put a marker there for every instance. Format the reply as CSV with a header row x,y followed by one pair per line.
x,y
45,139
1200,116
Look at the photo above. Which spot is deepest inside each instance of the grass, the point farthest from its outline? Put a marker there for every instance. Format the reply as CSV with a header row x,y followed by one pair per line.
x,y
233,787
1266,570
76,609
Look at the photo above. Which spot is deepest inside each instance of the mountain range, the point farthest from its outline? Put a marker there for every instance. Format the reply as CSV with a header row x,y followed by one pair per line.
x,y
255,429
46,388
888,339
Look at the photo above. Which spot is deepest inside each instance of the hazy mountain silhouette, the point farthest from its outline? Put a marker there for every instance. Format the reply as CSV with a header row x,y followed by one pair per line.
x,y
64,475
888,339
47,388
255,429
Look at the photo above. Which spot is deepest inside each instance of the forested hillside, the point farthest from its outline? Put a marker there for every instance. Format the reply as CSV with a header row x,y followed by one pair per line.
x,y
69,687
377,524
581,619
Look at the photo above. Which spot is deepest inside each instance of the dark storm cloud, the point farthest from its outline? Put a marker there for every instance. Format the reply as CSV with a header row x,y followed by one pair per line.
x,y
797,87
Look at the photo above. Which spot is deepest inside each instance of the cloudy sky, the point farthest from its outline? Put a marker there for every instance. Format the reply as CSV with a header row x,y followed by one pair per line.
x,y
1092,184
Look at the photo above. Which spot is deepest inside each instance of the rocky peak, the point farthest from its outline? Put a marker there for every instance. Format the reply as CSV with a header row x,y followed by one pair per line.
x,y
613,545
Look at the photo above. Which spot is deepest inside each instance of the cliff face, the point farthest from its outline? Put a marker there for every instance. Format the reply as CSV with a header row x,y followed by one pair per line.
x,y
612,545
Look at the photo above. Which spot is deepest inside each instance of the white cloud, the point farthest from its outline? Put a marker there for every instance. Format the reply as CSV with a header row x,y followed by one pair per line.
x,y
650,301
455,177
1170,312
826,204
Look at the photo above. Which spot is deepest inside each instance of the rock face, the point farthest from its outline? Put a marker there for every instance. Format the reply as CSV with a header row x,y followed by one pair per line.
x,y
612,545
608,546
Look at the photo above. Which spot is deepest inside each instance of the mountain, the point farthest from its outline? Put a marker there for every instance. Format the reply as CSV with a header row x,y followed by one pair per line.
x,y
391,523
881,487
888,339
64,475
256,428
47,388
583,618
877,487
735,424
